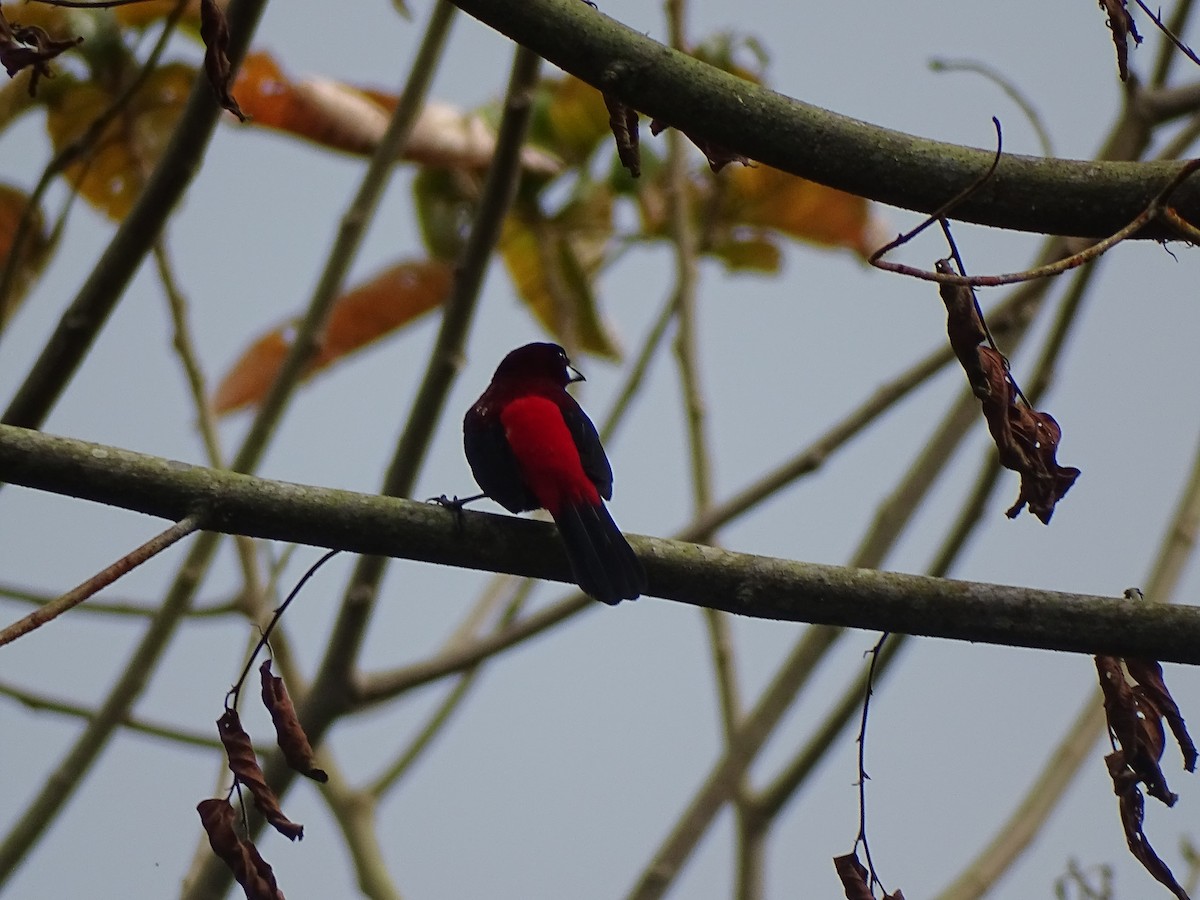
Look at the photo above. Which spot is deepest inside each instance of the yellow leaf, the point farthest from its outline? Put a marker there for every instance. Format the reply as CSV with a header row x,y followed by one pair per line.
x,y
768,198
756,254
110,176
553,263
576,118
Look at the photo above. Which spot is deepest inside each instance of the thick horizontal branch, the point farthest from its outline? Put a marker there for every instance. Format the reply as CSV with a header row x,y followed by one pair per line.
x,y
1046,196
757,586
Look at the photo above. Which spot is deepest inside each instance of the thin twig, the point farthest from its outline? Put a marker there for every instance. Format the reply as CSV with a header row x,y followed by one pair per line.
x,y
231,698
1153,211
185,348
862,760
41,702
1170,35
1014,94
123,608
1166,56
100,580
946,208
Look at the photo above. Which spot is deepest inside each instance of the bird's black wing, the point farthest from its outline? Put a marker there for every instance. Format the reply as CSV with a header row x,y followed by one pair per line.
x,y
492,461
587,442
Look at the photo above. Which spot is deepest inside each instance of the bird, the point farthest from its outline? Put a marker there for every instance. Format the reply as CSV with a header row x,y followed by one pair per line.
x,y
531,446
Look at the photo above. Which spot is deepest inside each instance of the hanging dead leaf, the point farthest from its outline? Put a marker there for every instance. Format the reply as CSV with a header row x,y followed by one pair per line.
x,y
390,300
1122,26
1133,809
249,869
214,31
1026,439
110,176
244,765
35,247
553,262
342,117
26,44
623,122
1152,689
856,880
289,733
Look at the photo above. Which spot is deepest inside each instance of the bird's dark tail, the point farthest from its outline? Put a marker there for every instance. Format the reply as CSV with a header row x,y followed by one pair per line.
x,y
604,564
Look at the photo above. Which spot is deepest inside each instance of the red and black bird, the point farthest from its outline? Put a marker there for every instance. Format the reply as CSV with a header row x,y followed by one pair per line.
x,y
531,446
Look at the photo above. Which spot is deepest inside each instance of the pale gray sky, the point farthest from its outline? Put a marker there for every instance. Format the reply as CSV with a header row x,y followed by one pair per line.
x,y
574,755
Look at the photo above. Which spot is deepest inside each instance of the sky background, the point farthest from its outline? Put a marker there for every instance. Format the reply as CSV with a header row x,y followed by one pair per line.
x,y
571,759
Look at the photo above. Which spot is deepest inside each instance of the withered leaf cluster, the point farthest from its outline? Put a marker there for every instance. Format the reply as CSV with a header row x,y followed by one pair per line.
x,y
1027,439
1122,26
25,46
214,31
1136,707
856,879
218,817
249,868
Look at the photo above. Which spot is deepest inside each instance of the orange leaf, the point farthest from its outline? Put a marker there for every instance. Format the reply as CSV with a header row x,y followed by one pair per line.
x,y
769,198
326,112
147,12
338,115
111,175
390,300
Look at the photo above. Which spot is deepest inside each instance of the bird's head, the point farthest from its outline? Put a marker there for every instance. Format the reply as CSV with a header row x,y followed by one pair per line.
x,y
539,360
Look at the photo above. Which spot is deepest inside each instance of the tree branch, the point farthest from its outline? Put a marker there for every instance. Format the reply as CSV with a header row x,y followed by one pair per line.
x,y
1048,196
757,586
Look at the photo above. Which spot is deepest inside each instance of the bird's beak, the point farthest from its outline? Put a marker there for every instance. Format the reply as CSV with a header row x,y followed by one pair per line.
x,y
573,374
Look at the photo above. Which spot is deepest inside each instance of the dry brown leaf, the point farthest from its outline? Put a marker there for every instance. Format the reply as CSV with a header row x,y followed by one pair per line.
x,y
853,875
249,868
1122,26
1152,688
26,44
214,31
289,733
244,765
1026,439
623,122
1132,806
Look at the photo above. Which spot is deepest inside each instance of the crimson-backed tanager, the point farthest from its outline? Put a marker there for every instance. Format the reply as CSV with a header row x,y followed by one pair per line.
x,y
531,446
